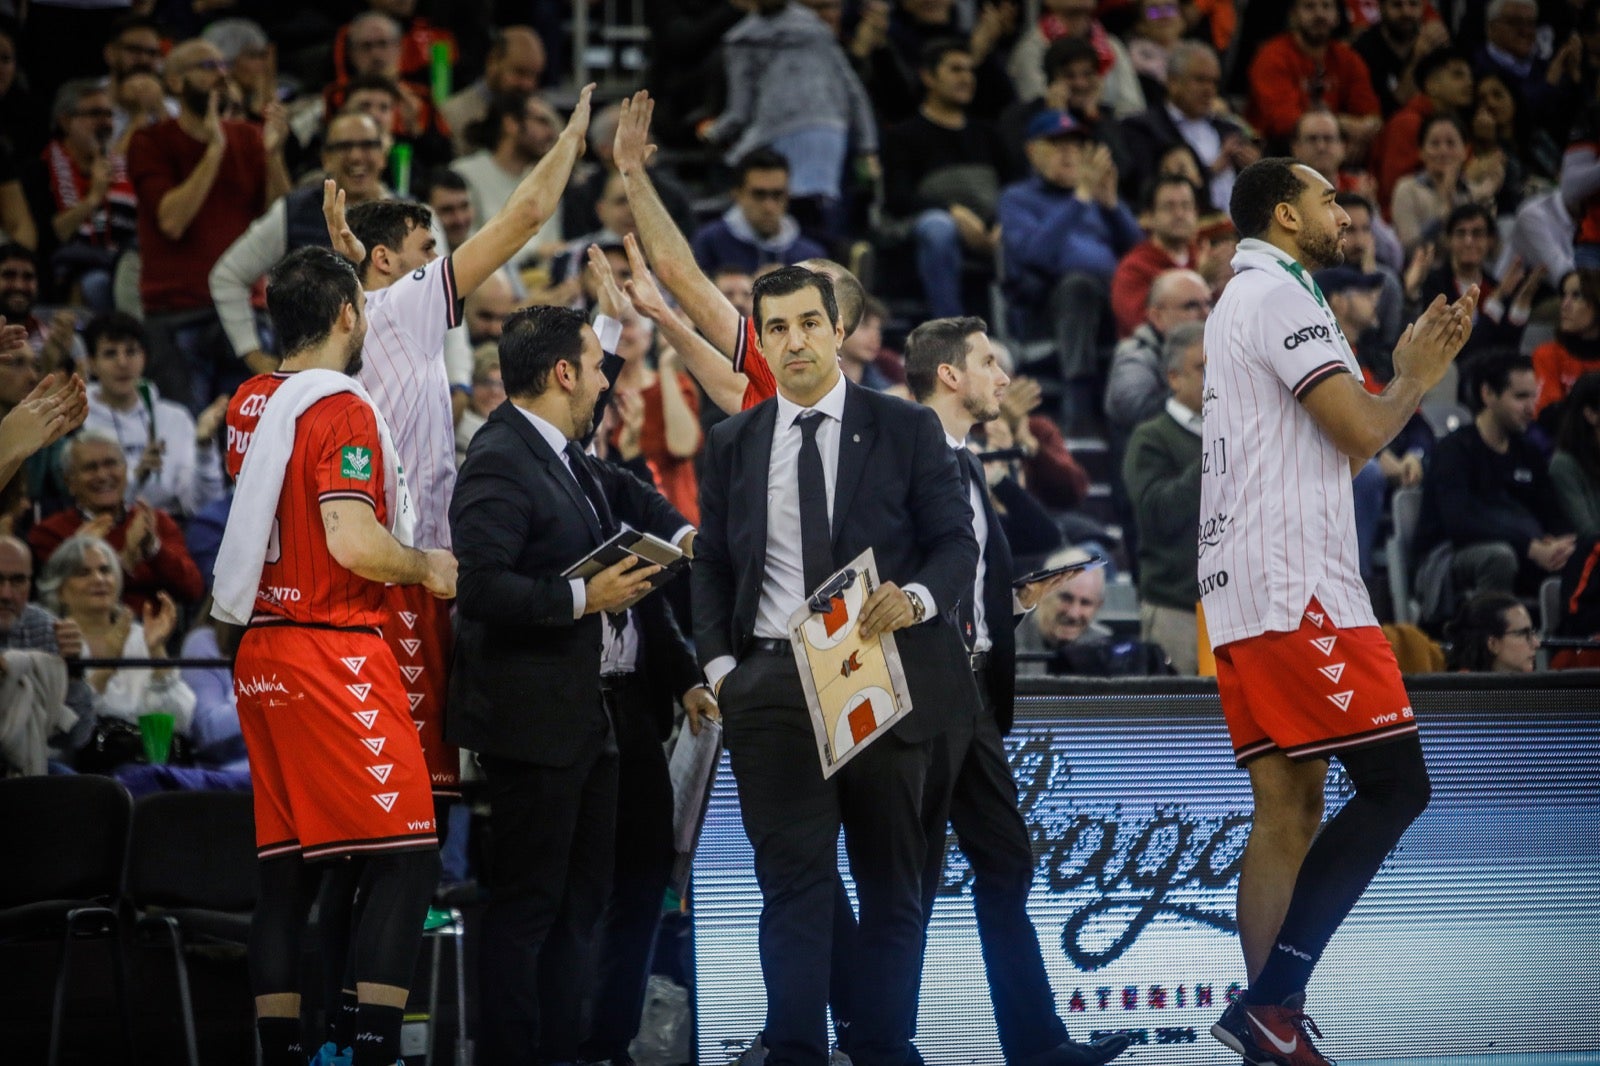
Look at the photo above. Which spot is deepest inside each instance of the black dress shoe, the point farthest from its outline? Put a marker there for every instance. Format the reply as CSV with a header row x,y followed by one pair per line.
x,y
1072,1053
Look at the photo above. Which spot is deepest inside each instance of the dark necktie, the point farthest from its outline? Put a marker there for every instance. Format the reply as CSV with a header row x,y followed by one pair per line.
x,y
816,541
966,615
580,473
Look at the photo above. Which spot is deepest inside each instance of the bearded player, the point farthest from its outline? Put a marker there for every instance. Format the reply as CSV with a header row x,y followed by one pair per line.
x,y
320,523
1304,672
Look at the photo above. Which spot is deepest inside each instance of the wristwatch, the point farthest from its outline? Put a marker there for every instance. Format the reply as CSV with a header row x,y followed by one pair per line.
x,y
919,610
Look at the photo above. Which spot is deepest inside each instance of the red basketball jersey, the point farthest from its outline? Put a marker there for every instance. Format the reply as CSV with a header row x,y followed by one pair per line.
x,y
336,457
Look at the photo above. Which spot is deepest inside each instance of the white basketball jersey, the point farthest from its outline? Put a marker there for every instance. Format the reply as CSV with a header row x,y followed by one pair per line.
x,y
403,368
1277,514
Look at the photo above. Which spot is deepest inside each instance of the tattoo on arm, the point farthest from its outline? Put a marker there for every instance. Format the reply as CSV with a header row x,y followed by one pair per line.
x,y
330,521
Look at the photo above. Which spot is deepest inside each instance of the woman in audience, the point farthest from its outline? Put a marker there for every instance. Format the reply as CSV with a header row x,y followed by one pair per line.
x,y
1492,633
1423,200
1575,466
1575,349
82,583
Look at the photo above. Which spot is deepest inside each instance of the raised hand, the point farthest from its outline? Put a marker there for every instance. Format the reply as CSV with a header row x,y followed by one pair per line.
x,y
274,127
344,239
160,618
612,303
1429,344
44,416
631,148
642,290
578,124
13,338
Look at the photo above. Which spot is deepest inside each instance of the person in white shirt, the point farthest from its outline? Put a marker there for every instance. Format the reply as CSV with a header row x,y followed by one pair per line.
x,y
952,369
413,298
518,131
172,457
1303,670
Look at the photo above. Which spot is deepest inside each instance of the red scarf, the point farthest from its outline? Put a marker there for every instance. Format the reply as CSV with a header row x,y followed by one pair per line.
x,y
1052,27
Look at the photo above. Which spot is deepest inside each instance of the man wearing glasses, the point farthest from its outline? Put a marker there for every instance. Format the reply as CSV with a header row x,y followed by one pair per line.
x,y
353,155
200,181
757,230
81,185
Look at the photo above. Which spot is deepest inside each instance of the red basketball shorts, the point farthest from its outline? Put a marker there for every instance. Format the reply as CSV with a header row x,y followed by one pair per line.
x,y
334,757
1313,692
420,637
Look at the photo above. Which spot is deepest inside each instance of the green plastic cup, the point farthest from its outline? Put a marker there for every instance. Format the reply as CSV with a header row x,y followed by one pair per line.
x,y
156,731
439,71
400,168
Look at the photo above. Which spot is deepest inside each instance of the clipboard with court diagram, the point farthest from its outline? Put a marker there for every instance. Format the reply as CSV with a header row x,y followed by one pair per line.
x,y
855,689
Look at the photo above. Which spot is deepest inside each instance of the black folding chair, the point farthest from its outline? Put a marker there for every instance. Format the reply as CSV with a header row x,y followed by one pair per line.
x,y
64,839
192,875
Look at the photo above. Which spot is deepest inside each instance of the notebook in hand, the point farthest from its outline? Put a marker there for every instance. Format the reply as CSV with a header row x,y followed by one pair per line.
x,y
631,542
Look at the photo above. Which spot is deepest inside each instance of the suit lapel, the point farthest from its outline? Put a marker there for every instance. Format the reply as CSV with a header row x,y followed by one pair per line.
x,y
855,444
752,463
557,469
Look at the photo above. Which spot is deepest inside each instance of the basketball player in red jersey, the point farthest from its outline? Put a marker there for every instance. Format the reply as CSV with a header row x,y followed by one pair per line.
x,y
337,767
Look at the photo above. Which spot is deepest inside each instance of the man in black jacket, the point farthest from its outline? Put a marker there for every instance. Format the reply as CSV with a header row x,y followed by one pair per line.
x,y
951,369
792,489
1491,521
539,677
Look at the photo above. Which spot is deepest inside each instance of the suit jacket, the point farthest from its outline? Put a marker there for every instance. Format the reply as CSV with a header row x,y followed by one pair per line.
x,y
526,678
1000,569
897,490
1148,135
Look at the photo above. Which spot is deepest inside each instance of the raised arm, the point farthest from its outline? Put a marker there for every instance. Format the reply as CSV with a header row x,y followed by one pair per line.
x,y
705,364
529,206
664,243
177,210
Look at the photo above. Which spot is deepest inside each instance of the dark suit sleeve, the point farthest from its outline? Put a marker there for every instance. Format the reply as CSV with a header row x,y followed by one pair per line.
x,y
638,503
941,517
712,579
669,650
1028,526
489,522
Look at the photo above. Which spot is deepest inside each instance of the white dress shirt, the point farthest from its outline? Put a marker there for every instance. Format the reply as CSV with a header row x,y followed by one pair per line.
x,y
981,641
619,650
783,586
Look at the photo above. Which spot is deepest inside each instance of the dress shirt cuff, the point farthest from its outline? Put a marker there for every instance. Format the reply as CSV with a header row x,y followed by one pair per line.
x,y
929,608
680,534
580,598
609,330
717,669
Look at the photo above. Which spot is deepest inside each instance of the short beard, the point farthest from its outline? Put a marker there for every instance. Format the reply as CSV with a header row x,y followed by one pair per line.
x,y
1321,251
196,101
352,363
980,409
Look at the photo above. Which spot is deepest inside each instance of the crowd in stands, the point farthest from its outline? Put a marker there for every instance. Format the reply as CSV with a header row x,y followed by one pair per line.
x,y
1062,168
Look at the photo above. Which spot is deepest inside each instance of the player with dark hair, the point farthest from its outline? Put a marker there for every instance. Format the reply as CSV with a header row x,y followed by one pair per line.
x,y
320,524
1303,670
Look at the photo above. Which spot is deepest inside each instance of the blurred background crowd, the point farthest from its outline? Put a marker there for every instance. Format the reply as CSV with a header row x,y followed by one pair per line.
x,y
1061,168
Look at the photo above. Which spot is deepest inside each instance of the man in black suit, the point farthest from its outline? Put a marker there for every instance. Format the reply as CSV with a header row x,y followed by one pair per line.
x,y
792,489
951,368
539,678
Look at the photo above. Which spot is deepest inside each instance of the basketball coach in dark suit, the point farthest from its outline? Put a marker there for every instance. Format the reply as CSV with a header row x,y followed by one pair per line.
x,y
951,369
793,489
527,690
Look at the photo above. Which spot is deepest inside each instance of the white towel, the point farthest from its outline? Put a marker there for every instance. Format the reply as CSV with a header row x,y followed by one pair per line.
x,y
255,498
